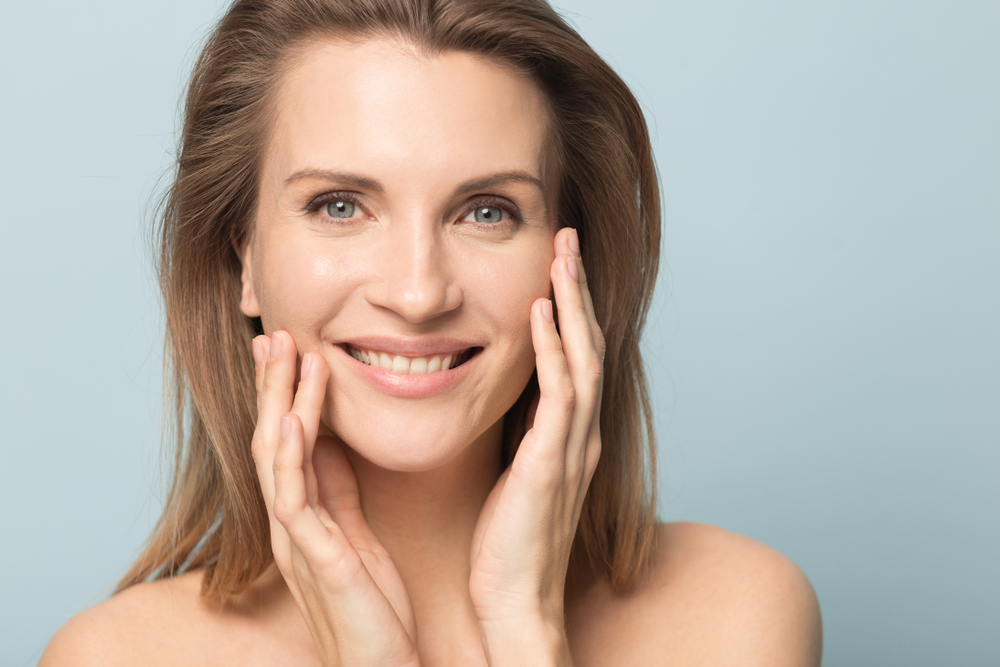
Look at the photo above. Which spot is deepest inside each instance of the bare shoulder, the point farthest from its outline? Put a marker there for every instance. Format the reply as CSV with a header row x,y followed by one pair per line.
x,y
168,622
132,627
711,597
155,623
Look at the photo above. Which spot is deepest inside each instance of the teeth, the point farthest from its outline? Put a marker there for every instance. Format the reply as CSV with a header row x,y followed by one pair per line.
x,y
401,365
404,365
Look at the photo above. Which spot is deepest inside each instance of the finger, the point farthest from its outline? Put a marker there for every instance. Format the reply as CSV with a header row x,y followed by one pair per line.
x,y
570,244
584,365
308,405
317,542
310,394
261,345
574,322
571,294
274,400
584,352
340,504
338,492
543,447
592,451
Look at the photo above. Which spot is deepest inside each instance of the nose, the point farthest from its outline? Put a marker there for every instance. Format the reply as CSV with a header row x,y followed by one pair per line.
x,y
413,273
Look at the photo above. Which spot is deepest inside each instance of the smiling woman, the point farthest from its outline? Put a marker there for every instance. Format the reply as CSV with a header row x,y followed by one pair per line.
x,y
406,261
367,241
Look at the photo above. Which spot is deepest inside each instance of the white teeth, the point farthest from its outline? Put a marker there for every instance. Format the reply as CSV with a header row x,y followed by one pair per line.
x,y
401,365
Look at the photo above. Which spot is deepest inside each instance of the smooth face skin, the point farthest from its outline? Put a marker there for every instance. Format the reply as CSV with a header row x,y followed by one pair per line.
x,y
367,236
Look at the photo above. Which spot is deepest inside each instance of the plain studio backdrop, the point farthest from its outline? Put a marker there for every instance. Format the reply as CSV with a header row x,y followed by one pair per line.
x,y
824,348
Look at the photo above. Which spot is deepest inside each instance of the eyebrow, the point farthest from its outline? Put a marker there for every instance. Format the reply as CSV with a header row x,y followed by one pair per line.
x,y
365,183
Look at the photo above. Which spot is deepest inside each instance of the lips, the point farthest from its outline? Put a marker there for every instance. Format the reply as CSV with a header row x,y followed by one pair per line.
x,y
410,368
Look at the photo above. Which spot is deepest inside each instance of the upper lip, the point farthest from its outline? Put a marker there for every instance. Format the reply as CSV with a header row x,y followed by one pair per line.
x,y
410,347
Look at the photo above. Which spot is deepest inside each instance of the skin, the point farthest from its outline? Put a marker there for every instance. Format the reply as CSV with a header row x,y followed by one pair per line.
x,y
398,539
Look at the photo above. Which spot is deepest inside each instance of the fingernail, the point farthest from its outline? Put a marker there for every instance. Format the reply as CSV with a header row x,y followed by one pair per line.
x,y
275,346
307,363
572,268
574,243
258,352
547,310
286,426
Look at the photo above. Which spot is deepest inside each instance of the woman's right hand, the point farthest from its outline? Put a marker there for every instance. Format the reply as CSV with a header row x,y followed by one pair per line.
x,y
346,585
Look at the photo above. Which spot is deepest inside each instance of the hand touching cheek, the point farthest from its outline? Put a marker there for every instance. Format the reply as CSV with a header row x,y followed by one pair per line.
x,y
522,543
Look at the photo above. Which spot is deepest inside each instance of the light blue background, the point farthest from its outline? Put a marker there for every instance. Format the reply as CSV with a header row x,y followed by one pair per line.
x,y
824,348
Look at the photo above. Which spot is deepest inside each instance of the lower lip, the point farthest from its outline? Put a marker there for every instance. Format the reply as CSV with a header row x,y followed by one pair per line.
x,y
409,386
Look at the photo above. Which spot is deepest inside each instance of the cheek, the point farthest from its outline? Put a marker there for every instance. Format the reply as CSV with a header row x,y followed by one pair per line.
x,y
507,288
302,287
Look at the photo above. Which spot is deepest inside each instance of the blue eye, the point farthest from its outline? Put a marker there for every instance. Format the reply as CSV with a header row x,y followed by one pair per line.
x,y
340,209
489,214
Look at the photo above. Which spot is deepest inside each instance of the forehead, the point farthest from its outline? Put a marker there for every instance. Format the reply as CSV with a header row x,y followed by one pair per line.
x,y
380,108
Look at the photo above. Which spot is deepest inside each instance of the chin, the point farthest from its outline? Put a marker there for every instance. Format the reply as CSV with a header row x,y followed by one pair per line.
x,y
408,443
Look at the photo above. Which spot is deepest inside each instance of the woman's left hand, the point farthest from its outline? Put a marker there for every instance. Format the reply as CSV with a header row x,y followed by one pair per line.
x,y
522,541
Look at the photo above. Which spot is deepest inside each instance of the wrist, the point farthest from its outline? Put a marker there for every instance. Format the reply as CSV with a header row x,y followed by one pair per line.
x,y
528,640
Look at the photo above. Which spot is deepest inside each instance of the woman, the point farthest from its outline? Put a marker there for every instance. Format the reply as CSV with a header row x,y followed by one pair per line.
x,y
406,260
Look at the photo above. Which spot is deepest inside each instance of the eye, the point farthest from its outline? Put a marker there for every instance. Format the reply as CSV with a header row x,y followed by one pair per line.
x,y
340,208
487,215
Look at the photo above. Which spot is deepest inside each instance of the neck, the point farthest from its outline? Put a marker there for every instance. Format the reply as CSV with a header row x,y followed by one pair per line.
x,y
425,520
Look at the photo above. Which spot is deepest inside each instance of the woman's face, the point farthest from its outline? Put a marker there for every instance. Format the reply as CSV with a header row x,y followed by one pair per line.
x,y
407,212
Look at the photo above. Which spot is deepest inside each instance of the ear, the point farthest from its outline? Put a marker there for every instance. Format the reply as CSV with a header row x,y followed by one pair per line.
x,y
248,299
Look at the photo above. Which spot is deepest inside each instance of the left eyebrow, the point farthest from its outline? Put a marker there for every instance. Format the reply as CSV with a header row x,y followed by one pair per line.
x,y
503,178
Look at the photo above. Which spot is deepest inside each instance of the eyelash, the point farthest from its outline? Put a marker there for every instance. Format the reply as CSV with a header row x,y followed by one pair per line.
x,y
513,212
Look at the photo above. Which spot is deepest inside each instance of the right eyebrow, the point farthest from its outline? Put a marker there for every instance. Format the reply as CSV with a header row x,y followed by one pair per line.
x,y
353,180
502,178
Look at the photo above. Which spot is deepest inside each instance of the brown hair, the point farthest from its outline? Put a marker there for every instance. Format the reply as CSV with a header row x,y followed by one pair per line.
x,y
214,517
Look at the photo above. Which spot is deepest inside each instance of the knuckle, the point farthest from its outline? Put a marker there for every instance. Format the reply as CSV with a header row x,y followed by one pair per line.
x,y
600,344
594,369
284,510
283,465
257,448
593,457
567,394
270,381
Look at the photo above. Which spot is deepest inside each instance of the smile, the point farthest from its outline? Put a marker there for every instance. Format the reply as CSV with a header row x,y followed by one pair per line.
x,y
402,365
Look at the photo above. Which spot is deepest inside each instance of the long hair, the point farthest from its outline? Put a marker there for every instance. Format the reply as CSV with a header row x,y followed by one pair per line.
x,y
214,517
